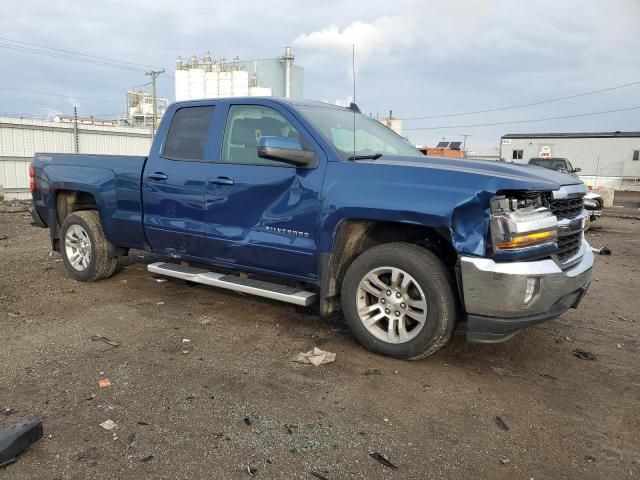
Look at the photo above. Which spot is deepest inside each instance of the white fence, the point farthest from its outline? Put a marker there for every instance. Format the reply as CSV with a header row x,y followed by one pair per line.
x,y
20,139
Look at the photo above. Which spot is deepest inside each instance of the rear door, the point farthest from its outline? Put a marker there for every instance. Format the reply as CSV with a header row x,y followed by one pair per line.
x,y
259,213
173,183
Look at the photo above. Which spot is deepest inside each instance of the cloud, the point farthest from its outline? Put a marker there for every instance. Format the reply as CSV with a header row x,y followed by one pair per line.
x,y
344,101
381,36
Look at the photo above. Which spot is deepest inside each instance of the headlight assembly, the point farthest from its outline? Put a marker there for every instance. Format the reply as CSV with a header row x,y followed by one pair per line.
x,y
519,227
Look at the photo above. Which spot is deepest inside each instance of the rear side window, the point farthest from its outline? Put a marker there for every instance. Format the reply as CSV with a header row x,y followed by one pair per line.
x,y
188,133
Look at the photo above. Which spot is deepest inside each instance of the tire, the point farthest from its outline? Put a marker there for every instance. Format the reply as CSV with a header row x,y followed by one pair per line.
x,y
426,306
81,235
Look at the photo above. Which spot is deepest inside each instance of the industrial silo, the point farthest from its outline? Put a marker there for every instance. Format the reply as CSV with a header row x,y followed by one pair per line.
x,y
182,85
196,83
240,83
211,84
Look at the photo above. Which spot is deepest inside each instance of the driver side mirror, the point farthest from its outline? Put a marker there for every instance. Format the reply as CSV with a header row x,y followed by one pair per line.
x,y
577,170
286,150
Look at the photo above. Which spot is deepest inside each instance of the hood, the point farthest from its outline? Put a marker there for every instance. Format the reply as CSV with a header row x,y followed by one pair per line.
x,y
509,175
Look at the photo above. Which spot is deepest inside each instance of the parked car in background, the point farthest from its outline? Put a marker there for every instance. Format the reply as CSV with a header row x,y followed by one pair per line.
x,y
559,164
310,211
593,202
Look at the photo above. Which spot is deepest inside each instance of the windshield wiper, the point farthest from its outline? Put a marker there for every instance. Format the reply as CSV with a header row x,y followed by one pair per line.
x,y
372,156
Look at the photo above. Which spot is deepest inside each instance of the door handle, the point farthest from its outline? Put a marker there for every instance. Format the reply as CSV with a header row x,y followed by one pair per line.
x,y
157,176
221,181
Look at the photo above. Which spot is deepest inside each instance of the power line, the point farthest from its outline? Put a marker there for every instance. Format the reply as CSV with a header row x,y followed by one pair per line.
x,y
524,105
78,54
512,122
69,57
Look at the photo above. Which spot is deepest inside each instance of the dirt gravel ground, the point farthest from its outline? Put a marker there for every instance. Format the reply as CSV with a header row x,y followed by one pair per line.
x,y
236,402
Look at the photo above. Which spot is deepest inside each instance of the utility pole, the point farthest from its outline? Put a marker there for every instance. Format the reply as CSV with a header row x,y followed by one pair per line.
x,y
154,74
464,144
75,130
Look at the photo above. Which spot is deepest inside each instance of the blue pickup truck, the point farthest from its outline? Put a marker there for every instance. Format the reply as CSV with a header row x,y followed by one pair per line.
x,y
311,203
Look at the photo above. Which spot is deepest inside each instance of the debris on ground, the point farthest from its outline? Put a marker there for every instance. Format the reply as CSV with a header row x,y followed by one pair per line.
x,y
108,341
315,357
618,346
380,458
602,250
503,371
131,439
3,237
251,470
157,280
104,382
108,424
147,459
159,303
186,345
319,476
504,461
584,355
248,420
6,411
501,424
373,371
17,439
550,377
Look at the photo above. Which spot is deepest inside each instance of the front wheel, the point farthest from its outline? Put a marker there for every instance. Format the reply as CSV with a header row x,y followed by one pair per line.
x,y
398,300
86,252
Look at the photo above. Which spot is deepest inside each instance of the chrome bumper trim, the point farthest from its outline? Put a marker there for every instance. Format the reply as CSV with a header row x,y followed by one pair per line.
x,y
497,289
569,191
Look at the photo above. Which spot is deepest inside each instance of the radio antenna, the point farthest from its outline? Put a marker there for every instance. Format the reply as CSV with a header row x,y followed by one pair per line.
x,y
353,73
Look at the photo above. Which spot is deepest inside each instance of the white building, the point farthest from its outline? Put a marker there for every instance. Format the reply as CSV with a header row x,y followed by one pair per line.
x,y
219,78
394,124
21,138
140,108
605,158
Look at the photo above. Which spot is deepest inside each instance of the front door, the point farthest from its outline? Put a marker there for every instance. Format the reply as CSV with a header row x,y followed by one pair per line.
x,y
260,213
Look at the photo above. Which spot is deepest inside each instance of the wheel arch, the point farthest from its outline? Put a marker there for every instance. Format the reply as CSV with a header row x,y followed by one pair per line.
x,y
69,200
352,237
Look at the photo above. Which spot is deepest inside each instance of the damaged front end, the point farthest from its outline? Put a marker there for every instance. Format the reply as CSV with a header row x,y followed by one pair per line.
x,y
536,263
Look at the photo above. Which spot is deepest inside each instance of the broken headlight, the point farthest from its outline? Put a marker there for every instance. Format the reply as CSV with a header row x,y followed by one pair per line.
x,y
522,227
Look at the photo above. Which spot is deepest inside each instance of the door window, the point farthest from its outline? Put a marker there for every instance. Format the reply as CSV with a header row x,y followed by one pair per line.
x,y
245,125
187,135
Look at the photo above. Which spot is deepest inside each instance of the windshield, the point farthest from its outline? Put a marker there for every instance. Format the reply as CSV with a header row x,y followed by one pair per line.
x,y
372,139
553,163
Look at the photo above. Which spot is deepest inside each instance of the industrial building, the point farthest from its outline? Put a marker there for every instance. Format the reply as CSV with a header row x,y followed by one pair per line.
x,y
21,138
216,78
393,123
140,108
609,159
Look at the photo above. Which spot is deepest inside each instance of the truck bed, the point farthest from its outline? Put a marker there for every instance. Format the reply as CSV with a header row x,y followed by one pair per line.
x,y
113,181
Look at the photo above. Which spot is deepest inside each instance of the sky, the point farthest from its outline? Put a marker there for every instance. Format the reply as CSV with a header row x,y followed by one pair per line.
x,y
432,59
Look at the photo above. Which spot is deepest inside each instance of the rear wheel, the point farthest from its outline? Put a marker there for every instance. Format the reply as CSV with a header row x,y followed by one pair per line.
x,y
86,252
398,300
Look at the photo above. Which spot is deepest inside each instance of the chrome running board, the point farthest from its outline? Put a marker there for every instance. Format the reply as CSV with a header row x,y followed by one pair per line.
x,y
258,288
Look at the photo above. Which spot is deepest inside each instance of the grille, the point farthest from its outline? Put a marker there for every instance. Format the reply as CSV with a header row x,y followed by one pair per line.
x,y
570,208
569,245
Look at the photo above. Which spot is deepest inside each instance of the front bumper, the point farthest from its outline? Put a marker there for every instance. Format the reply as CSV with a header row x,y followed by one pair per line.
x,y
494,293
